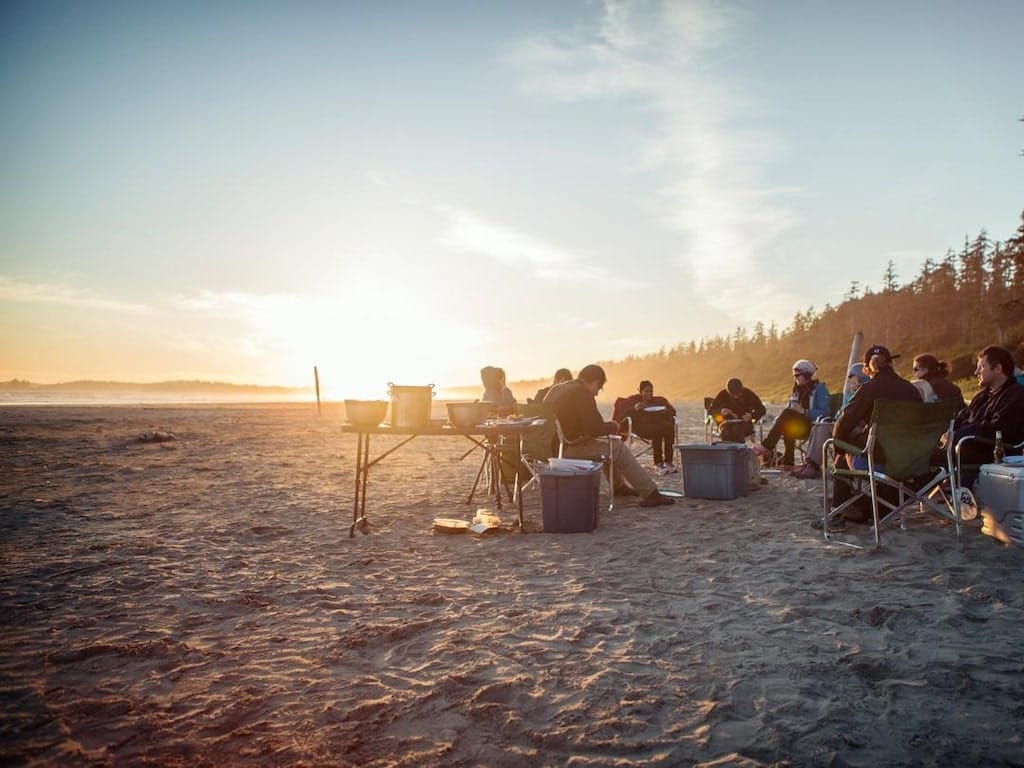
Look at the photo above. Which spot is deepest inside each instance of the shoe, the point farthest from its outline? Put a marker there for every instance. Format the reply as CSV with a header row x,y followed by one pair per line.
x,y
657,500
670,468
760,450
807,472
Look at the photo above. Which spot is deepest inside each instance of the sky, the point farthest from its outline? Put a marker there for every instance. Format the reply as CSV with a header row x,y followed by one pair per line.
x,y
405,192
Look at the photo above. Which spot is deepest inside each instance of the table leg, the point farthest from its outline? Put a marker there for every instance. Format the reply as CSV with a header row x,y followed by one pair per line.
x,y
362,471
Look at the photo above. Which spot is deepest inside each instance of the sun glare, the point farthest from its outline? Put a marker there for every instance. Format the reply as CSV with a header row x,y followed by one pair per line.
x,y
366,338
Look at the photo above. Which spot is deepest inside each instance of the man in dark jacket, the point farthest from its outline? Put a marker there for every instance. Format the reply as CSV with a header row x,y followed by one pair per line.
x,y
851,427
575,407
885,384
653,418
736,408
998,406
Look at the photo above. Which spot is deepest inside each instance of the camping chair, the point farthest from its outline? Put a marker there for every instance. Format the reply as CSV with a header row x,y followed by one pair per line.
x,y
1012,449
908,434
538,446
607,459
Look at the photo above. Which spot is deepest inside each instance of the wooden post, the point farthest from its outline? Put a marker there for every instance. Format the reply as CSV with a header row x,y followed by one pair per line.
x,y
316,379
858,341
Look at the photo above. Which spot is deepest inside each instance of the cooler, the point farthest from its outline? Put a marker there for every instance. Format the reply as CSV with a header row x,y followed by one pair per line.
x,y
1000,492
569,498
717,471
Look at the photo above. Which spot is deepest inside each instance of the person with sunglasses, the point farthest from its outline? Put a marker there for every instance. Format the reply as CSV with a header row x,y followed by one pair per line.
x,y
807,403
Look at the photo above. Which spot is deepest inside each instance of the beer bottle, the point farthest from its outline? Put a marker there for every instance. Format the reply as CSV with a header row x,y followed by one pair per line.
x,y
999,452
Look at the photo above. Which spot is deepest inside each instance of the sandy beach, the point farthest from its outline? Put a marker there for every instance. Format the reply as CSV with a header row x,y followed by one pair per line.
x,y
198,602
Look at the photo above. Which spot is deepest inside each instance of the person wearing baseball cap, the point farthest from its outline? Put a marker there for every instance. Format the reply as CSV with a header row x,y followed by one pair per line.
x,y
878,349
807,403
851,426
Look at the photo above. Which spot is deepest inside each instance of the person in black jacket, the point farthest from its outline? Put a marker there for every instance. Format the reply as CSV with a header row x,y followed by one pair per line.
x,y
885,383
851,426
736,408
654,419
575,407
998,406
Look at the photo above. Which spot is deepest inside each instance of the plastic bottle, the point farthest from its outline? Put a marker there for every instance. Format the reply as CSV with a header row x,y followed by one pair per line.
x,y
999,452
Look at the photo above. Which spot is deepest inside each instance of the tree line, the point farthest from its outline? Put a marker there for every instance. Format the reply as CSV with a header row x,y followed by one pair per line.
x,y
958,304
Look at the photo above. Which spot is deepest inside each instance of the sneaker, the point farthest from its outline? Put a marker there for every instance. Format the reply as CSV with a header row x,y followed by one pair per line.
x,y
657,500
807,472
670,468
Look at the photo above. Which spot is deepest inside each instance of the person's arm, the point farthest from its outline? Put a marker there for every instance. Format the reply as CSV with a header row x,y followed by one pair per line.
x,y
819,403
755,406
590,419
1009,416
721,401
670,411
855,412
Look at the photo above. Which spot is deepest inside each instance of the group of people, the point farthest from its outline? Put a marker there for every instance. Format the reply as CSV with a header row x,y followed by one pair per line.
x,y
999,406
573,402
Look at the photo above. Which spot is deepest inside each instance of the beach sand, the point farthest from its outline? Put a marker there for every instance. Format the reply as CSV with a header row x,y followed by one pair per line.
x,y
199,602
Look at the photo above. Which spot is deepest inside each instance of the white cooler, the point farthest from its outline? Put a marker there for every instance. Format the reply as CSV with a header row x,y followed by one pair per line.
x,y
1000,492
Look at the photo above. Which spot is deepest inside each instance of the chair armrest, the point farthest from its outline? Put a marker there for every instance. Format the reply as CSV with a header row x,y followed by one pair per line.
x,y
846,447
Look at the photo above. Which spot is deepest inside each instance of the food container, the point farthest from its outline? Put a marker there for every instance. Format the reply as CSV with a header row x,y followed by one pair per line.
x,y
366,413
470,414
410,406
450,525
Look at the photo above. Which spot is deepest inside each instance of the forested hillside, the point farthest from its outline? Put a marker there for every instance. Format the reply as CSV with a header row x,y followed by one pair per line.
x,y
954,307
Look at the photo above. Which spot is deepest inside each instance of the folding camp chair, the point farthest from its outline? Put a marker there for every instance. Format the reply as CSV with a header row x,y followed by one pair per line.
x,y
538,446
607,458
907,434
978,444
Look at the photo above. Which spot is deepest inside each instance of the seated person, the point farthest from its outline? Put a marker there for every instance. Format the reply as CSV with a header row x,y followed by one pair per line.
x,y
653,419
562,375
575,407
924,389
851,426
807,403
735,409
820,432
929,368
495,390
998,406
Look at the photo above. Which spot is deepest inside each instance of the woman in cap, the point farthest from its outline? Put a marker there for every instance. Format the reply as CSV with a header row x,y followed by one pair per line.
x,y
823,431
807,404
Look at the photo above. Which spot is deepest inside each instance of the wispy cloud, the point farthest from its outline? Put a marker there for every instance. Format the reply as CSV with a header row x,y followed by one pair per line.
x,y
12,289
468,232
712,193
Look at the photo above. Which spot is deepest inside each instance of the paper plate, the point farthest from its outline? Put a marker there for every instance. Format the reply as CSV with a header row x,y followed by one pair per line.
x,y
670,493
655,408
450,525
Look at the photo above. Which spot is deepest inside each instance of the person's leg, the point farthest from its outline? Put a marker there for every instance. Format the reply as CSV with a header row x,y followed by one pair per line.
x,y
627,468
797,427
772,438
657,447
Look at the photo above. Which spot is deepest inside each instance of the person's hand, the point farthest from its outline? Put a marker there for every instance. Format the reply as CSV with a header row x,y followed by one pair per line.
x,y
798,408
748,416
728,412
639,406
